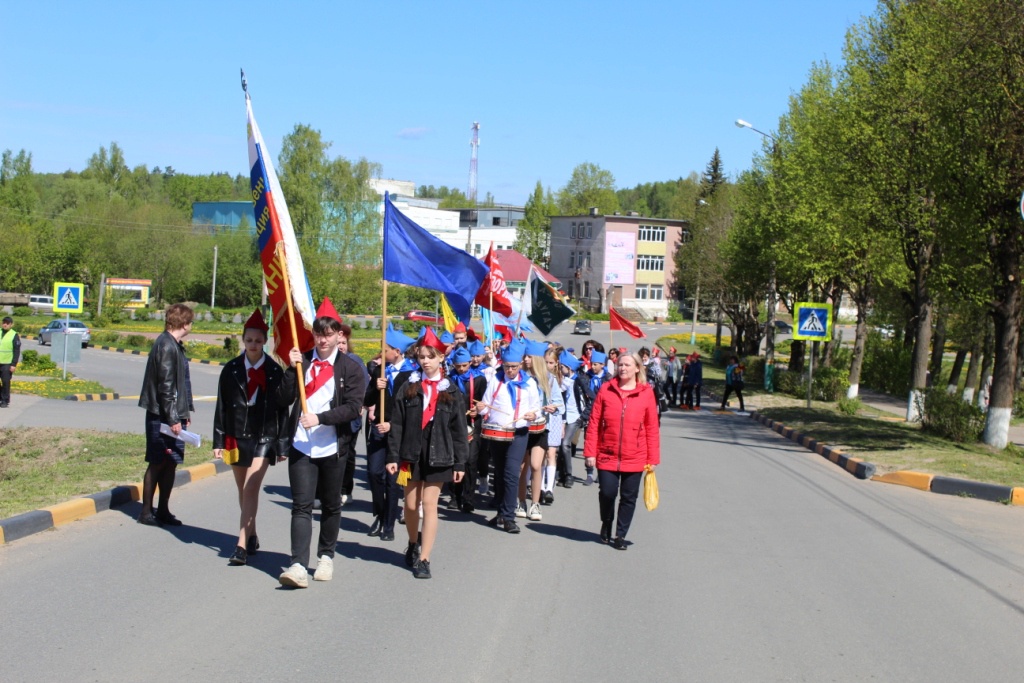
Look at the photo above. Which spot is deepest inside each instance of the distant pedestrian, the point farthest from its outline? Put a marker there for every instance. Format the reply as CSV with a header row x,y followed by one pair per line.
x,y
694,381
10,354
673,375
250,425
733,382
622,439
167,397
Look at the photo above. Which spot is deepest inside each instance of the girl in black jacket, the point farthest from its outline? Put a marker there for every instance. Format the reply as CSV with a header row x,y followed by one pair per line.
x,y
250,425
428,443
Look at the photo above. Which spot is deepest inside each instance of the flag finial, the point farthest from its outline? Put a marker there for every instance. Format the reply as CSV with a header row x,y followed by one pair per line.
x,y
245,85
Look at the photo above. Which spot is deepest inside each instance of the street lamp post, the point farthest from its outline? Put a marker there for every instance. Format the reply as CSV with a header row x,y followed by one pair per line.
x,y
696,298
769,344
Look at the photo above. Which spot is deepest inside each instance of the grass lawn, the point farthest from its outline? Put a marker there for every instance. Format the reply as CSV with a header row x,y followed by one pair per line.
x,y
58,388
41,466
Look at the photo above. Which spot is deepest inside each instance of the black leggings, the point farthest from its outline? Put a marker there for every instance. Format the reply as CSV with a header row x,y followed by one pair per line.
x,y
627,486
739,394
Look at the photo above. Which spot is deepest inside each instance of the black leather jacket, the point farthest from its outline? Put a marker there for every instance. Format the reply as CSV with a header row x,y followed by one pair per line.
x,y
164,389
267,419
448,447
349,388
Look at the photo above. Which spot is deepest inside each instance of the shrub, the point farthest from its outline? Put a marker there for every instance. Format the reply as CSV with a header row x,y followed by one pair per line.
x,y
231,345
32,361
887,365
22,311
830,383
754,374
137,341
791,383
950,416
1018,403
849,406
105,337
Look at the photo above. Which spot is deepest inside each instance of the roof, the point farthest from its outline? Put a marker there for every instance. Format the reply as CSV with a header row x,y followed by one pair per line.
x,y
516,267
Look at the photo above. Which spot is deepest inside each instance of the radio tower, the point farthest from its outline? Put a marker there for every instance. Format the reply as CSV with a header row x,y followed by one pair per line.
x,y
474,144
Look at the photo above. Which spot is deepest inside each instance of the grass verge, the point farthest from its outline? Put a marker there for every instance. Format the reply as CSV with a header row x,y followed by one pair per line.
x,y
58,388
41,466
894,446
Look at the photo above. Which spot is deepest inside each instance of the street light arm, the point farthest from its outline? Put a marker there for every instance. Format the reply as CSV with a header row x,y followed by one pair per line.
x,y
740,123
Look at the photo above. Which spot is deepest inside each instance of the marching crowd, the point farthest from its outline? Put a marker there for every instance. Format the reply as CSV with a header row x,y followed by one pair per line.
x,y
446,416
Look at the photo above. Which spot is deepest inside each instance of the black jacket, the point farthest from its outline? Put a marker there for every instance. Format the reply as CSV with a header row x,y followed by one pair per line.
x,y
372,397
347,403
448,447
164,389
267,419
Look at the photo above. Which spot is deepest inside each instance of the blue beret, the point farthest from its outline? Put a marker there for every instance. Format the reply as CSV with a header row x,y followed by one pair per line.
x,y
461,355
514,352
570,361
477,348
447,338
598,357
397,340
423,331
536,348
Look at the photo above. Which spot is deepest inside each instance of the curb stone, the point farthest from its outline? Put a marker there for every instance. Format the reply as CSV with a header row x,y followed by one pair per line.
x,y
92,397
52,516
855,466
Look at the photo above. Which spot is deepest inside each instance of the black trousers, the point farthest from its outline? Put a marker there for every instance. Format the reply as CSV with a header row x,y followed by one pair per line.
x,y
307,476
565,452
384,488
348,442
5,379
728,390
507,458
463,491
625,485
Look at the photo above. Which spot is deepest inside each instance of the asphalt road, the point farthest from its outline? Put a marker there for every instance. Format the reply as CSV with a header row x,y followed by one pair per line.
x,y
764,562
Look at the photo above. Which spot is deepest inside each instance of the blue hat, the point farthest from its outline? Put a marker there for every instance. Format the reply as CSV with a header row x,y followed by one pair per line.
x,y
598,357
423,331
447,338
397,340
514,352
477,348
536,348
570,361
461,355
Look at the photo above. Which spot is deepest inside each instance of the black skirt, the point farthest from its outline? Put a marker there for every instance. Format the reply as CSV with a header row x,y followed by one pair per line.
x,y
422,470
160,446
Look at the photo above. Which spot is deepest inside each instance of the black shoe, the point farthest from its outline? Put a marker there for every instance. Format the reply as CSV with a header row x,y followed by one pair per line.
x,y
167,518
3,405
511,526
422,569
569,481
239,556
412,555
619,543
606,532
468,507
497,522
149,520
453,503
387,536
252,545
547,498
375,528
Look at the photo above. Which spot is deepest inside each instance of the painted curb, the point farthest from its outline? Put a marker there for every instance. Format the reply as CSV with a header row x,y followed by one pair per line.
x,y
855,466
92,397
53,516
915,480
136,352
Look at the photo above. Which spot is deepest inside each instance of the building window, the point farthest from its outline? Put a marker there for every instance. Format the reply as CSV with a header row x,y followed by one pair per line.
x,y
590,230
572,259
571,293
588,260
651,233
476,248
641,291
586,289
572,231
650,262
657,292
579,259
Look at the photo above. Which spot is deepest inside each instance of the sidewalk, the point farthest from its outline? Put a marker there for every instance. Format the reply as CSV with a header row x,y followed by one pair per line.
x,y
895,406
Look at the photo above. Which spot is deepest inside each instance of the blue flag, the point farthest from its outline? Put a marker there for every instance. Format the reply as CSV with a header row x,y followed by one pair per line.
x,y
412,256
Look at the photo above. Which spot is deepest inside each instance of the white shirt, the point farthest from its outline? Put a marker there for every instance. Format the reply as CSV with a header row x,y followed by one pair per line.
x,y
321,440
501,412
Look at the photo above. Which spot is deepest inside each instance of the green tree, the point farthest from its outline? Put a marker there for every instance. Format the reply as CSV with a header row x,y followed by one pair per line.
x,y
533,238
590,186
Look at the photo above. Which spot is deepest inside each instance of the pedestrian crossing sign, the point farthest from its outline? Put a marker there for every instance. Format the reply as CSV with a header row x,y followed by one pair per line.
x,y
813,321
67,297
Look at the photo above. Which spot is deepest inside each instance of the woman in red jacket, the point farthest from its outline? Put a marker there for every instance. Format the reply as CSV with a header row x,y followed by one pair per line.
x,y
622,438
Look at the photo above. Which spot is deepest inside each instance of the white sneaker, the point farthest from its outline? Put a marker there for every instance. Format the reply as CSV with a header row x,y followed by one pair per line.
x,y
521,509
535,515
344,498
324,569
295,576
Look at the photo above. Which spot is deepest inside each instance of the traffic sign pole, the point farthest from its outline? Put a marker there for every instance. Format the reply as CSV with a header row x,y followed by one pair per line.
x,y
67,328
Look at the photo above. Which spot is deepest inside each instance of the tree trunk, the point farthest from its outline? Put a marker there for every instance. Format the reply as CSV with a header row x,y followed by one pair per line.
x,y
859,344
718,324
796,356
954,373
922,332
973,368
938,349
986,367
1020,366
1007,316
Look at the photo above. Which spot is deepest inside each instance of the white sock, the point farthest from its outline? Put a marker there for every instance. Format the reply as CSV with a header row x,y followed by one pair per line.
x,y
549,478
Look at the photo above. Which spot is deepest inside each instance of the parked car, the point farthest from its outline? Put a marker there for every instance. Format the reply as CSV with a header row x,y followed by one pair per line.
x,y
41,302
583,327
781,327
423,316
57,327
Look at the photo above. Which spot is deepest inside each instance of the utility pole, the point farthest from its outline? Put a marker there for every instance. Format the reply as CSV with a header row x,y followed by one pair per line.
x,y
213,289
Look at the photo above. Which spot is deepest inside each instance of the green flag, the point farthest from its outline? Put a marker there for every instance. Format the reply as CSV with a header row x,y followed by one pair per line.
x,y
543,307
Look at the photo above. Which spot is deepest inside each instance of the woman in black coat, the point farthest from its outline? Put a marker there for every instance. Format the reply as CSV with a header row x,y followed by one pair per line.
x,y
428,443
250,425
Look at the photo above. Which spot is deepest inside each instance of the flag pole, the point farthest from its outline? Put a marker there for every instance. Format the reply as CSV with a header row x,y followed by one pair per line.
x,y
291,323
383,339
611,333
490,332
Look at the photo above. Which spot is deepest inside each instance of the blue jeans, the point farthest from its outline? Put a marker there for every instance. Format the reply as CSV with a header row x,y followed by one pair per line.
x,y
384,488
507,460
304,473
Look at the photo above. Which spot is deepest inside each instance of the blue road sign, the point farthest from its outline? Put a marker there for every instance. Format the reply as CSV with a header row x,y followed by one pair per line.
x,y
67,297
813,322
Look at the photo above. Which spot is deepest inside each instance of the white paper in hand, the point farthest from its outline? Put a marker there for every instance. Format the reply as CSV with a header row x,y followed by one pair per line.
x,y
191,438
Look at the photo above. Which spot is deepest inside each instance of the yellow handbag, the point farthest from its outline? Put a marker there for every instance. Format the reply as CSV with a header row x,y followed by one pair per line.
x,y
650,488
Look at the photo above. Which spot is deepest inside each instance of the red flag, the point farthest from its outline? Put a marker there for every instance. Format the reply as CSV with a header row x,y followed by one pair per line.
x,y
494,283
617,322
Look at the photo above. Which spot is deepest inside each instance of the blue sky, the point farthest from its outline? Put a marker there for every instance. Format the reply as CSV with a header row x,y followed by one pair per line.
x,y
646,90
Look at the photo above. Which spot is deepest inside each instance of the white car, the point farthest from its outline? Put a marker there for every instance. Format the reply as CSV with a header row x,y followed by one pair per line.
x,y
41,302
57,327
